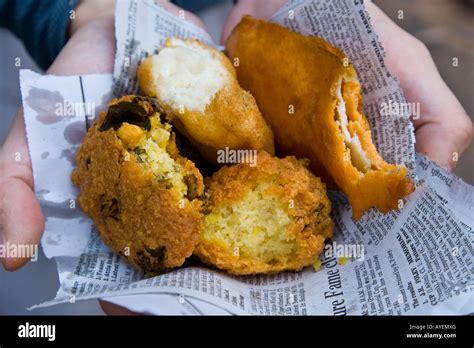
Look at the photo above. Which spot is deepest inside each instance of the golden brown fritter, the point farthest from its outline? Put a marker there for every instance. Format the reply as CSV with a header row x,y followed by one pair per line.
x,y
309,94
198,86
142,195
264,219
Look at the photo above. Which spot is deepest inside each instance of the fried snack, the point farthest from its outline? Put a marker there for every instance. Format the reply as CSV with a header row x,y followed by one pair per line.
x,y
141,194
198,87
309,94
264,219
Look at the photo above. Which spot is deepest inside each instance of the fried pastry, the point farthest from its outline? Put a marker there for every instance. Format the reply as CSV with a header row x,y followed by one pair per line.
x,y
310,95
198,87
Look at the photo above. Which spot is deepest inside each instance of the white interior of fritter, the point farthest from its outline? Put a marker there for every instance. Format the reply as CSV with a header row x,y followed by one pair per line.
x,y
256,226
188,75
359,158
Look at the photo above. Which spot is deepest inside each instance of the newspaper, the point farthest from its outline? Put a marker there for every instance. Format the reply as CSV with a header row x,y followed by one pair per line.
x,y
415,260
141,29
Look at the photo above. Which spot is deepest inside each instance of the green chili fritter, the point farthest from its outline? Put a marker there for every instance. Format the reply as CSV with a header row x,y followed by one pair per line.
x,y
142,195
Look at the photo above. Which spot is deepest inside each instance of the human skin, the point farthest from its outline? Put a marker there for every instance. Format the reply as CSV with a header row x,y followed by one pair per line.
x,y
90,49
443,130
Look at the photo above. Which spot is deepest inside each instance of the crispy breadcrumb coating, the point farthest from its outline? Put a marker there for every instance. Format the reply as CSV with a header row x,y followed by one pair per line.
x,y
198,86
286,71
142,195
264,219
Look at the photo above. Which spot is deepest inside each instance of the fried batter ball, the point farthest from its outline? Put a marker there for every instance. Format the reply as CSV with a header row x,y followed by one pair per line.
x,y
198,86
264,219
142,195
287,71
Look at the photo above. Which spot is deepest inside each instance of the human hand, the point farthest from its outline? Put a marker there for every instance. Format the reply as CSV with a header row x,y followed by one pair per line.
x,y
257,9
443,130
90,49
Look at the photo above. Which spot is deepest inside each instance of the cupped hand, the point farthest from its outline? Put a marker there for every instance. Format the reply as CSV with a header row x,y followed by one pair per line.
x,y
443,130
90,49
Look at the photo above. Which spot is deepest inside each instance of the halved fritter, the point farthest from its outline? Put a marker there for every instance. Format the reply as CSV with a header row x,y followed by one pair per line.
x,y
198,86
309,94
264,219
142,195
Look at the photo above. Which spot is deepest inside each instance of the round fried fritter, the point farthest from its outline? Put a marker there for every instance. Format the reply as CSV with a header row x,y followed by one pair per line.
x,y
142,195
264,219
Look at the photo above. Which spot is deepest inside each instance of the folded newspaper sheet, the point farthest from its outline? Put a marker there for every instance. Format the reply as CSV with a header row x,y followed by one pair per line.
x,y
417,260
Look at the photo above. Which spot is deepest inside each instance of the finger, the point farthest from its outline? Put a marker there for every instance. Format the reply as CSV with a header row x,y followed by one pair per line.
x,y
415,69
436,141
113,309
257,9
443,129
21,220
232,20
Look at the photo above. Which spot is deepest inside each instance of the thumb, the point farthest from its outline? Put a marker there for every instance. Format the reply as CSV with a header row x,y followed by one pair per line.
x,y
257,9
232,20
21,220
444,143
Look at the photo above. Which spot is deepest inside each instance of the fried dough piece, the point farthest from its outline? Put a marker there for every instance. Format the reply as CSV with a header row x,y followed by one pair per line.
x,y
264,219
198,87
141,194
311,97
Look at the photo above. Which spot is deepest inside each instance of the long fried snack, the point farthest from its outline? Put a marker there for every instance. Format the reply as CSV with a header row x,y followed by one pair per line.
x,y
311,97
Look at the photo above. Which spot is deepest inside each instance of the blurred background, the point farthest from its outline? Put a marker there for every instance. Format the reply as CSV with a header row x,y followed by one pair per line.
x,y
445,26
